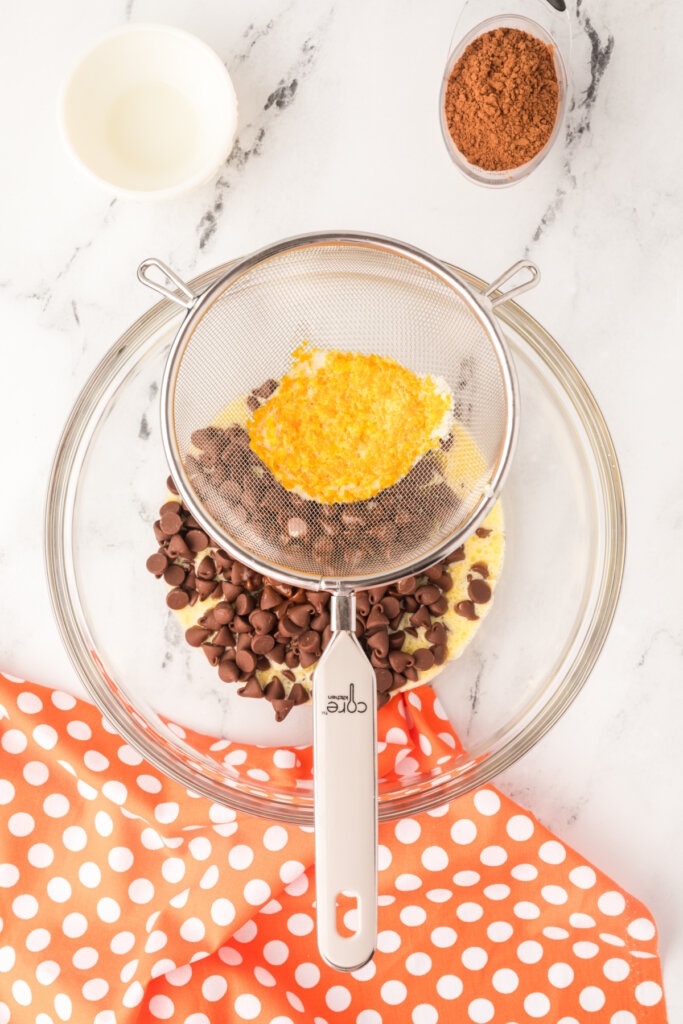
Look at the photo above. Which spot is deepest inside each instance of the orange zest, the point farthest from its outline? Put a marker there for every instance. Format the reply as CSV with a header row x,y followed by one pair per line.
x,y
343,426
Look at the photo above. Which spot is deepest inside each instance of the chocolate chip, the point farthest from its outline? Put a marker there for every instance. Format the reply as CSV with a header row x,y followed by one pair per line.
x,y
224,613
222,559
319,622
391,606
300,615
456,556
208,620
399,660
324,546
244,604
170,484
240,625
384,678
262,644
159,533
482,532
266,389
330,528
319,600
205,588
297,527
379,642
207,568
282,709
269,598
213,652
197,540
299,694
439,607
421,618
410,604
411,631
244,641
482,568
427,594
424,659
206,437
177,599
445,581
170,523
310,641
246,661
230,590
274,690
436,634
157,563
251,688
228,671
363,603
277,654
377,618
375,594
439,652
466,610
263,621
225,637
377,661
308,658
382,699
398,681
177,548
196,636
479,591
292,659
252,403
396,640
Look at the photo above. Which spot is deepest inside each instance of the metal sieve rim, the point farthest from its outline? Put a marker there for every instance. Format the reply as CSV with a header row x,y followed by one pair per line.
x,y
196,309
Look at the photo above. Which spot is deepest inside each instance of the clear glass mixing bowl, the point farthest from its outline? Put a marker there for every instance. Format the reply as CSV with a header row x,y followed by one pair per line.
x,y
564,512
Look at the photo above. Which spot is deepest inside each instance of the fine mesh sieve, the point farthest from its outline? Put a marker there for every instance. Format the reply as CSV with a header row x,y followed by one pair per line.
x,y
353,293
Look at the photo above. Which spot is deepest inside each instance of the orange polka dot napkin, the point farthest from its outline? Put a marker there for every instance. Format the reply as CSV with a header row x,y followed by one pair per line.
x,y
128,899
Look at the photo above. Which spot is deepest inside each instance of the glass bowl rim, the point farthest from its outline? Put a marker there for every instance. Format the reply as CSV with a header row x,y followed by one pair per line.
x,y
479,175
425,793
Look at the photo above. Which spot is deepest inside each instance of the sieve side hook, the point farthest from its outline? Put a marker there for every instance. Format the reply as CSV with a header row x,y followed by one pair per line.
x,y
508,275
182,297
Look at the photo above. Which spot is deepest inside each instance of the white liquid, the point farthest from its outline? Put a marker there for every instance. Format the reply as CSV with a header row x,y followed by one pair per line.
x,y
152,130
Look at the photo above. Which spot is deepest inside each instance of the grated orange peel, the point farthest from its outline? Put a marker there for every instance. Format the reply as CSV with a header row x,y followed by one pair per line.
x,y
342,426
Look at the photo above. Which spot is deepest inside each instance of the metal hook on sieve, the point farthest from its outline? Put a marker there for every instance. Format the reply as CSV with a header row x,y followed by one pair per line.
x,y
508,275
186,298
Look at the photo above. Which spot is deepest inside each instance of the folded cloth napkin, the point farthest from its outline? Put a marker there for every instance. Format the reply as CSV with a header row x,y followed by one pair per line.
x,y
128,898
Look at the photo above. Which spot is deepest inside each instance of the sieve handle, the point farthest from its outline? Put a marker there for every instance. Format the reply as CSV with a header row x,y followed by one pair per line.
x,y
186,298
345,783
508,275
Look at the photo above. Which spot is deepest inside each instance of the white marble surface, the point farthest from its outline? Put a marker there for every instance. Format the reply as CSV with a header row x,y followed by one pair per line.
x,y
338,128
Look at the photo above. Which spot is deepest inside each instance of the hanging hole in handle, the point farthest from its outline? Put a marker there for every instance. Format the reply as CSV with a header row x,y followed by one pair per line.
x,y
347,906
495,294
182,297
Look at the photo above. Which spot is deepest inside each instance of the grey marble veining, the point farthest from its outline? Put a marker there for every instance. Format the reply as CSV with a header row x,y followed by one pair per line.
x,y
338,128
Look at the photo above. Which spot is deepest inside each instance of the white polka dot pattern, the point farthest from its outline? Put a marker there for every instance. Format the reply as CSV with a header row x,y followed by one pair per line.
x,y
126,899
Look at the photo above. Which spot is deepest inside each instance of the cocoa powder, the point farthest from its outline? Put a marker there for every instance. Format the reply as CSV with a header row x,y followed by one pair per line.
x,y
502,99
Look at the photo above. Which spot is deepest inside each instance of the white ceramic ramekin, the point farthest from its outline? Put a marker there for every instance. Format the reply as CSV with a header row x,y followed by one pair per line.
x,y
149,112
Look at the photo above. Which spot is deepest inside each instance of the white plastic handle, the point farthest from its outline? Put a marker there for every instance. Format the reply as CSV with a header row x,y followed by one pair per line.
x,y
345,782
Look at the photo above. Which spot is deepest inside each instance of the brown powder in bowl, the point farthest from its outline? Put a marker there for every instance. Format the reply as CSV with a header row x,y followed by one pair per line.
x,y
502,99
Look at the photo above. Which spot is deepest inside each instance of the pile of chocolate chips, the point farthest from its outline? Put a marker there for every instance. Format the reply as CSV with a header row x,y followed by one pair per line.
x,y
339,537
259,622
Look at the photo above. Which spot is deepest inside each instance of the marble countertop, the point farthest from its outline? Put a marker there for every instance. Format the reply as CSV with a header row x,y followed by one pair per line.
x,y
339,128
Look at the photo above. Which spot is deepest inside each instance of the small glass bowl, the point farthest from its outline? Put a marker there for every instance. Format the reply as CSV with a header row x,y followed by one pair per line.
x,y
501,179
